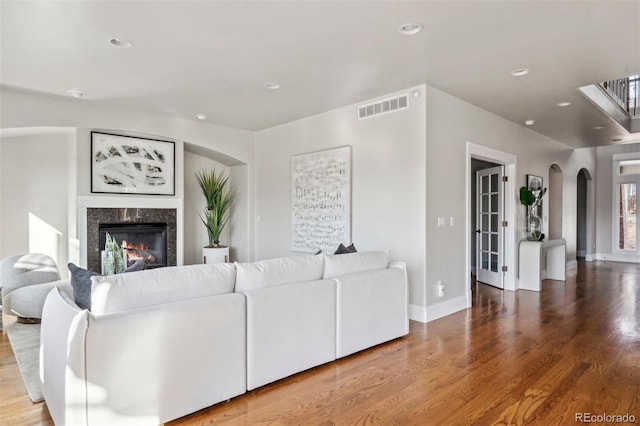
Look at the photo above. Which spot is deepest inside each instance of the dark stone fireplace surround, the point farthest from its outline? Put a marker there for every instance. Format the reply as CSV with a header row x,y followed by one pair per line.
x,y
97,216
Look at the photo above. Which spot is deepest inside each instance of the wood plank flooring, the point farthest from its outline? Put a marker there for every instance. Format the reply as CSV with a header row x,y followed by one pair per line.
x,y
515,358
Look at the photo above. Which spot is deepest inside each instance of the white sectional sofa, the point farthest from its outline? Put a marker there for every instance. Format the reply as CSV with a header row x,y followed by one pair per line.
x,y
160,344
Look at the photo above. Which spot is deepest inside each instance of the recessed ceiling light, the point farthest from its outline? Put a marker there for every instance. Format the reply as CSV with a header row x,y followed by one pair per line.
x,y
519,72
410,28
272,86
121,42
201,116
616,140
563,104
75,93
529,122
598,128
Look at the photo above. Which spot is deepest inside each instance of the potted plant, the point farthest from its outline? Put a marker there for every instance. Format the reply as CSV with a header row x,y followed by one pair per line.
x,y
532,200
219,197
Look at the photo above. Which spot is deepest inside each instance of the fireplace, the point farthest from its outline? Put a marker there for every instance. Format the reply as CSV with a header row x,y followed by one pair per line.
x,y
146,241
147,228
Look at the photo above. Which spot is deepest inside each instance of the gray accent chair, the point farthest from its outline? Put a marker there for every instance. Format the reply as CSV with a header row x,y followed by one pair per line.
x,y
26,280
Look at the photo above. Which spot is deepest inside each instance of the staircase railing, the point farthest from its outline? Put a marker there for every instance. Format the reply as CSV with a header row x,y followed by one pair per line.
x,y
626,92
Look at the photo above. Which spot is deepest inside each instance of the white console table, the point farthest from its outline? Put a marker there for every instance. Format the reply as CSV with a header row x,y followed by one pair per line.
x,y
532,256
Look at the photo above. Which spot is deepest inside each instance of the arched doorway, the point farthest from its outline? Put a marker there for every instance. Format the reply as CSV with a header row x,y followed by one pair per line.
x,y
555,202
582,202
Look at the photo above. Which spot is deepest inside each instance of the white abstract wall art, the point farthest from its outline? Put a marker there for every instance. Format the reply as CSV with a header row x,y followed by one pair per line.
x,y
129,165
321,200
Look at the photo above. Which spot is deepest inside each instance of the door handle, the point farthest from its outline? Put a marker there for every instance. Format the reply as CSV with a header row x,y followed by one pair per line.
x,y
477,231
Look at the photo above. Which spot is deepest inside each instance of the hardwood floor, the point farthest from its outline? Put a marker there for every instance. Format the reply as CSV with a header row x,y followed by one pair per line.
x,y
514,358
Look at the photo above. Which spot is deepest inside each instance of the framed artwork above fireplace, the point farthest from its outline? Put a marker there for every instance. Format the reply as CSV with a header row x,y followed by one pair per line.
x,y
131,165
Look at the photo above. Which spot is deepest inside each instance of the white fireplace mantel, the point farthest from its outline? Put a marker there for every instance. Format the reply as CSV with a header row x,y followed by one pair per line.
x,y
132,202
106,202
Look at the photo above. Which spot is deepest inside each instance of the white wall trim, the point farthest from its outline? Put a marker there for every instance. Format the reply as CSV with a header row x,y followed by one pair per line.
x,y
418,313
130,202
627,258
572,264
589,258
447,307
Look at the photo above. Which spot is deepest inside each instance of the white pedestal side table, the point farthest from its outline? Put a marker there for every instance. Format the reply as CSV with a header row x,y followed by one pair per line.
x,y
534,255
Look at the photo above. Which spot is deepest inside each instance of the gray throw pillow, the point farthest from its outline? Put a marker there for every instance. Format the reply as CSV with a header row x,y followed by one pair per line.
x,y
81,282
343,250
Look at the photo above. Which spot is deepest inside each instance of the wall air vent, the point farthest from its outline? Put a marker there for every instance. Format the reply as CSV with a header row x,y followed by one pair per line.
x,y
383,106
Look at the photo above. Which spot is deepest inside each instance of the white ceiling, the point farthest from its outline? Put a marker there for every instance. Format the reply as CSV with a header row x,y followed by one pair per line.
x,y
215,57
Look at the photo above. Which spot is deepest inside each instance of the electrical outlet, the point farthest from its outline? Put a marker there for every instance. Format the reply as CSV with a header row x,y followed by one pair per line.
x,y
440,289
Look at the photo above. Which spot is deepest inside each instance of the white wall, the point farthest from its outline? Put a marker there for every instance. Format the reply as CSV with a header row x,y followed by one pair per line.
x,y
409,167
27,110
451,123
37,193
604,200
241,221
388,181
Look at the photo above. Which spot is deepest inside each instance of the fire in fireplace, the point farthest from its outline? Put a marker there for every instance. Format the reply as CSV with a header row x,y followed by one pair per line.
x,y
146,241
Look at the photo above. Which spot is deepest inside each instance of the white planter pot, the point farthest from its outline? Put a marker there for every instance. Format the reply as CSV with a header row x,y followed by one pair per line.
x,y
215,254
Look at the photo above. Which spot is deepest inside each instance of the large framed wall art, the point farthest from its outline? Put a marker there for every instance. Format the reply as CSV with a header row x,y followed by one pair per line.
x,y
321,200
130,165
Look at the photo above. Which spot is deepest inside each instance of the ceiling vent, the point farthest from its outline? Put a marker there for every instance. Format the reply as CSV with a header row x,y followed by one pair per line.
x,y
383,106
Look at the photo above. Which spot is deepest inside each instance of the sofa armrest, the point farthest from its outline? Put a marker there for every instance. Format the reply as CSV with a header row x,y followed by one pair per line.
x,y
62,358
372,308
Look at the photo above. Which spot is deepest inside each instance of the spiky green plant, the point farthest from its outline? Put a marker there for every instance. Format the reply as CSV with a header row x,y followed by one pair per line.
x,y
219,198
114,263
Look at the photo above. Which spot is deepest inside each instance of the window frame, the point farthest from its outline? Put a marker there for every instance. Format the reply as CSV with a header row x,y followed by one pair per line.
x,y
618,179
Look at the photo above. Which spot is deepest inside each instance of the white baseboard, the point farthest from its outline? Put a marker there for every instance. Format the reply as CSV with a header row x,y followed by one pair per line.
x,y
572,264
589,258
418,313
447,307
627,258
581,253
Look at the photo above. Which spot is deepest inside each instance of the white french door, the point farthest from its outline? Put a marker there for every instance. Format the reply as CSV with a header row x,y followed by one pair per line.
x,y
489,226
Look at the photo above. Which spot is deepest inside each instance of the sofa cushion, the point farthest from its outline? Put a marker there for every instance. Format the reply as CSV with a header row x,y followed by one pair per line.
x,y
350,263
282,270
122,292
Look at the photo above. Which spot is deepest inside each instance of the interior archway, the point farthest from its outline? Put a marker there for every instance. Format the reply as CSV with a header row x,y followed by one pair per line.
x,y
582,229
